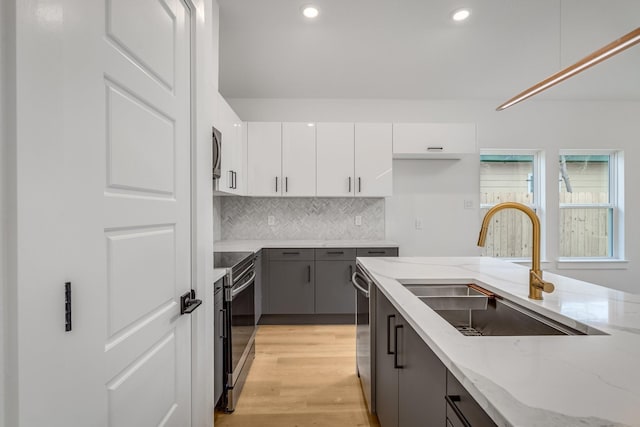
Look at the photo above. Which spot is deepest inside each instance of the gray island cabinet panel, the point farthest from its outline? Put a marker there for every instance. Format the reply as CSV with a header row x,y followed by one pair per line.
x,y
413,387
410,379
386,374
291,287
422,380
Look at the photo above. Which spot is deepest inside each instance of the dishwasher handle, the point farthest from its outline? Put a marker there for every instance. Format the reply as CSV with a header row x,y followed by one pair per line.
x,y
354,281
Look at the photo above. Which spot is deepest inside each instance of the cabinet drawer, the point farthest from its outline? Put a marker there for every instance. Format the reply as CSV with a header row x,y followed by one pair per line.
x,y
340,254
362,252
462,409
292,254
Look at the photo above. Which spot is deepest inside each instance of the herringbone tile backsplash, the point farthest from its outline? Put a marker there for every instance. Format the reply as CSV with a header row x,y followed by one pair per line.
x,y
299,218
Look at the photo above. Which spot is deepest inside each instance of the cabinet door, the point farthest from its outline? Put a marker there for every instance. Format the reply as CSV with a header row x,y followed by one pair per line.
x,y
228,127
291,287
264,162
373,160
334,291
422,383
433,140
335,159
386,374
299,159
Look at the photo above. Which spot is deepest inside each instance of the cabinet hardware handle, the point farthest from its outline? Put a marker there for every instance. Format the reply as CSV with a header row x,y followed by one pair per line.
x,y
309,274
230,183
389,317
286,184
350,271
359,185
67,307
235,180
435,148
451,402
335,252
376,252
349,184
395,347
290,253
276,184
223,316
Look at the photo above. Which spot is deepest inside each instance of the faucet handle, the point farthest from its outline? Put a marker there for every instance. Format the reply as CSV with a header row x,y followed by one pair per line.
x,y
540,283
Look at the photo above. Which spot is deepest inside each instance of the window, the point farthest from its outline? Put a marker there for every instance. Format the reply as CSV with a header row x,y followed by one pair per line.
x,y
589,205
515,177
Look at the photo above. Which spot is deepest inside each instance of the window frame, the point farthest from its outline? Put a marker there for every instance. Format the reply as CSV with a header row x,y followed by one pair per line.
x,y
616,204
539,196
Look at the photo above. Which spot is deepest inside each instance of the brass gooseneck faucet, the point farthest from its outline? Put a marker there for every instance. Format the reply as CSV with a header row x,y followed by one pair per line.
x,y
536,284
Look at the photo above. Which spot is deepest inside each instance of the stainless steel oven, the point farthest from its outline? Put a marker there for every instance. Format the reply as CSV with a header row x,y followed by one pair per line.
x,y
240,324
365,336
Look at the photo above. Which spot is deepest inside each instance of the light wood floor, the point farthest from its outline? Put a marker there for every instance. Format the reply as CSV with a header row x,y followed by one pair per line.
x,y
302,376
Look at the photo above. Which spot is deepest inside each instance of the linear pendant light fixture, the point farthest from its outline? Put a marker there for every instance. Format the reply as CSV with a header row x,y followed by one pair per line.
x,y
599,55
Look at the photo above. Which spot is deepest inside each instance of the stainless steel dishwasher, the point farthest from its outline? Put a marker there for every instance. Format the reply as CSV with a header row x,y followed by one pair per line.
x,y
365,335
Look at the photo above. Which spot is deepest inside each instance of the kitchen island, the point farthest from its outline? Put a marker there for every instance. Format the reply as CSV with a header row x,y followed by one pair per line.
x,y
581,380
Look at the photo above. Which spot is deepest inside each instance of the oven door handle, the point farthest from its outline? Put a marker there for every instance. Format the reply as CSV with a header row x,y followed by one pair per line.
x,y
354,281
245,285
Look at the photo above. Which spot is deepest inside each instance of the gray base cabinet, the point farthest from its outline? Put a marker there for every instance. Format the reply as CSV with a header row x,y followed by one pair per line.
x,y
303,281
413,387
462,409
334,291
292,287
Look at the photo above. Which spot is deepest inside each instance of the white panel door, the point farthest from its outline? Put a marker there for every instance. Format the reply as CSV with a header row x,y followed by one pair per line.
x,y
373,160
299,159
147,226
264,161
335,159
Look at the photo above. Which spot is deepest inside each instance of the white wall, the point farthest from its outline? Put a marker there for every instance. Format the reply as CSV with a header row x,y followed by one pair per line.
x,y
7,211
436,190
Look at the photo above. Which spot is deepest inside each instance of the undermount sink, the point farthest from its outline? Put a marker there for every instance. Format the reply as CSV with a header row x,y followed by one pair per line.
x,y
450,297
474,311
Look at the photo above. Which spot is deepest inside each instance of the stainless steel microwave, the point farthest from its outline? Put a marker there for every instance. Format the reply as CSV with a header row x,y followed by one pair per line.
x,y
217,151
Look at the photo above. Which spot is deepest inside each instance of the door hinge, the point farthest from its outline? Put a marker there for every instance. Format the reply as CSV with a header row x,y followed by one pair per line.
x,y
188,302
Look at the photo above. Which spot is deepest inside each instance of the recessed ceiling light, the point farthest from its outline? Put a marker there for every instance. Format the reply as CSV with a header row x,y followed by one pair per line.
x,y
310,11
461,14
311,124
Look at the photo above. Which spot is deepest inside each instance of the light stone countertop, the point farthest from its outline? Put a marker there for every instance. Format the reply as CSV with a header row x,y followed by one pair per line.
x,y
256,245
560,381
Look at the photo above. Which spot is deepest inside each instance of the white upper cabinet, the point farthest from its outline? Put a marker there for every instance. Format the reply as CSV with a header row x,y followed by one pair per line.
x,y
232,177
373,160
433,140
298,159
335,159
264,161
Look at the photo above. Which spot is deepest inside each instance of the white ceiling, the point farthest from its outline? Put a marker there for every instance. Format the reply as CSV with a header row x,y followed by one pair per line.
x,y
412,49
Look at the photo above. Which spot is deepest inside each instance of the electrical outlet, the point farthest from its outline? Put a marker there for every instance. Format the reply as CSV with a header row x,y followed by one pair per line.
x,y
271,220
468,204
418,223
358,220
